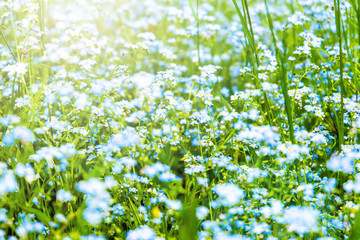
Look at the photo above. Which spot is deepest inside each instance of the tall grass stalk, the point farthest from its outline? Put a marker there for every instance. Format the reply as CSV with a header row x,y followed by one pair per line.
x,y
249,35
342,88
196,16
283,76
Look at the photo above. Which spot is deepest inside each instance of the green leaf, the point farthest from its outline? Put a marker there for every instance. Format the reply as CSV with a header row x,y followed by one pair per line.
x,y
188,228
355,230
45,219
245,27
97,172
224,101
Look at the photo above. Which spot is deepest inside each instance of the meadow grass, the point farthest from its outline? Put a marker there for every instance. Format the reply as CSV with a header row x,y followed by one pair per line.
x,y
191,119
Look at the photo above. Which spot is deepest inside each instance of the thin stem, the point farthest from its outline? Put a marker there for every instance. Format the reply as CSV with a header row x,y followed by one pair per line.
x,y
342,88
7,45
198,31
283,77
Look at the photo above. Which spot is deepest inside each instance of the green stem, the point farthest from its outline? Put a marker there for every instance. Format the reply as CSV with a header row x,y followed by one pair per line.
x,y
283,77
249,35
342,88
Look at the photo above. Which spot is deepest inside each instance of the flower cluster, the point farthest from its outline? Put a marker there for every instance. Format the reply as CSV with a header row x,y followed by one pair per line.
x,y
150,120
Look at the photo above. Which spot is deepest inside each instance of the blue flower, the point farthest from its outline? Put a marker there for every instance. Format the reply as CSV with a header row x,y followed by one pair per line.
x,y
63,196
229,194
18,133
